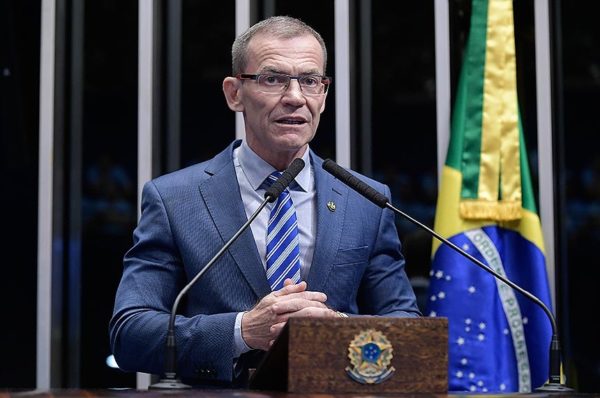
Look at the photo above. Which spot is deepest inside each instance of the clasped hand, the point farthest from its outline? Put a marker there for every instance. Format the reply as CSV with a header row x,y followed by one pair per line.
x,y
263,323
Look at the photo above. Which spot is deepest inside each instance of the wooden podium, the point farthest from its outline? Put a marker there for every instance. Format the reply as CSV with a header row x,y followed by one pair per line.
x,y
366,355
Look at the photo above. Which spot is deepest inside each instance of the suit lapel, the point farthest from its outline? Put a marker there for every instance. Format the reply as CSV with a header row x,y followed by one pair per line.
x,y
331,209
223,201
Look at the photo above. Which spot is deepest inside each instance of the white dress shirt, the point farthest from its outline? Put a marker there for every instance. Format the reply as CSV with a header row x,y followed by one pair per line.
x,y
251,172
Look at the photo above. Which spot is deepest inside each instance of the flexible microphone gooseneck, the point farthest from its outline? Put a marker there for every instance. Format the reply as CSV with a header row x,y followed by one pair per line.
x,y
171,381
554,383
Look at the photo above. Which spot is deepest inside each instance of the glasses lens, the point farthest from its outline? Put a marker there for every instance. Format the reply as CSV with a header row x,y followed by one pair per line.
x,y
311,84
277,84
273,83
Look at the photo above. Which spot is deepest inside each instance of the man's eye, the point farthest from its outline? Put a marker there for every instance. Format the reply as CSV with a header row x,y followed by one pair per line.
x,y
310,81
274,79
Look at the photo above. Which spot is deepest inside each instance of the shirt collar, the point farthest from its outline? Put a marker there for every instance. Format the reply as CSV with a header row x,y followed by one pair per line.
x,y
257,170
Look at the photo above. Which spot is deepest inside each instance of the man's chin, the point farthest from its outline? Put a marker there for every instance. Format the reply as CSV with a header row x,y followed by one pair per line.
x,y
293,138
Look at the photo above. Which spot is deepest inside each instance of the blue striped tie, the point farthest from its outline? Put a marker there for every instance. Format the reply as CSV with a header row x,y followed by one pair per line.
x,y
283,248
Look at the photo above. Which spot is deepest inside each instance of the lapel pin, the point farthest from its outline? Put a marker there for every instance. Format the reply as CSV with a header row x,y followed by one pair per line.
x,y
331,206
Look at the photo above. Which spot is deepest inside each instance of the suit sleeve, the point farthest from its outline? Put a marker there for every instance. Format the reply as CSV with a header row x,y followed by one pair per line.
x,y
153,275
385,289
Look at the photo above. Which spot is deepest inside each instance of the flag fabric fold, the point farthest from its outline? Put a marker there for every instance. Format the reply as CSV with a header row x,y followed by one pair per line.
x,y
498,340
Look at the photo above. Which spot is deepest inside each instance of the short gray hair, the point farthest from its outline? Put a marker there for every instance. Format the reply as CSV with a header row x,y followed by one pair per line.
x,y
280,27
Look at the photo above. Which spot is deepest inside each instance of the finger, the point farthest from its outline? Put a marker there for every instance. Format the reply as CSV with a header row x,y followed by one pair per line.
x,y
276,329
288,282
290,288
306,295
295,304
270,303
283,305
314,312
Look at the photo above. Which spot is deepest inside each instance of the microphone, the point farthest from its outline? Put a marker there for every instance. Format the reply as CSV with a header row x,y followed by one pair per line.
x,y
554,383
171,381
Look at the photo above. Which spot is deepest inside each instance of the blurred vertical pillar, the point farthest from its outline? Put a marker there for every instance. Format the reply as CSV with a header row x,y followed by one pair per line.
x,y
442,81
148,50
52,210
544,128
74,233
365,43
342,82
242,22
45,357
173,79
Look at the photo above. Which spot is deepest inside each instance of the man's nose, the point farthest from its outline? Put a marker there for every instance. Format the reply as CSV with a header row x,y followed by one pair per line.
x,y
293,93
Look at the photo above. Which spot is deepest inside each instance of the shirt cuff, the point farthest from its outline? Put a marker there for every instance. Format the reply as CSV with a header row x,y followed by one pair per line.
x,y
240,345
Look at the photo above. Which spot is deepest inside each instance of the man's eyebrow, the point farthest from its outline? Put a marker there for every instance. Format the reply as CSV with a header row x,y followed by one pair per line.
x,y
310,73
269,69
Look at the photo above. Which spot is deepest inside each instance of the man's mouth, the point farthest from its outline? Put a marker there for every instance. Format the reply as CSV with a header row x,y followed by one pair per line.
x,y
291,121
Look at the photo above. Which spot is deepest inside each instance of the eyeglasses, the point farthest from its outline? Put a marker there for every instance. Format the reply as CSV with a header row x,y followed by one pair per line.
x,y
275,83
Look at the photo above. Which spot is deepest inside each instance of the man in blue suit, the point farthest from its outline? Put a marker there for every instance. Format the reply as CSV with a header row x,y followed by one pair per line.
x,y
347,253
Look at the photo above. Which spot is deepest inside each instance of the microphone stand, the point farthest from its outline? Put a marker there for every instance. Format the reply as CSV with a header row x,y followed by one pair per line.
x,y
171,381
554,383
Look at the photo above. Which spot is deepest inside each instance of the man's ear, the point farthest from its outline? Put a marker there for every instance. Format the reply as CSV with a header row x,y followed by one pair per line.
x,y
233,93
323,104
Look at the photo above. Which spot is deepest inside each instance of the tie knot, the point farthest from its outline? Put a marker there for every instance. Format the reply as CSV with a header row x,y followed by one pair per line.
x,y
274,176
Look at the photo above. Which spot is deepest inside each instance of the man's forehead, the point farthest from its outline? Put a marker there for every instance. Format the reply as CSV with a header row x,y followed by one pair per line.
x,y
266,48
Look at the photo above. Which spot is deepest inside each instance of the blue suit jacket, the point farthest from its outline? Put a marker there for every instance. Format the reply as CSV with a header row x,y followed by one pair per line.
x,y
188,215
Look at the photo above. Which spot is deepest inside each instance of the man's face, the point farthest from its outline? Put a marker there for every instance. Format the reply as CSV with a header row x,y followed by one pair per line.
x,y
284,122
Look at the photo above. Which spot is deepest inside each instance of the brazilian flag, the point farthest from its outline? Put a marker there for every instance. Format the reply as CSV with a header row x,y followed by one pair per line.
x,y
498,340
